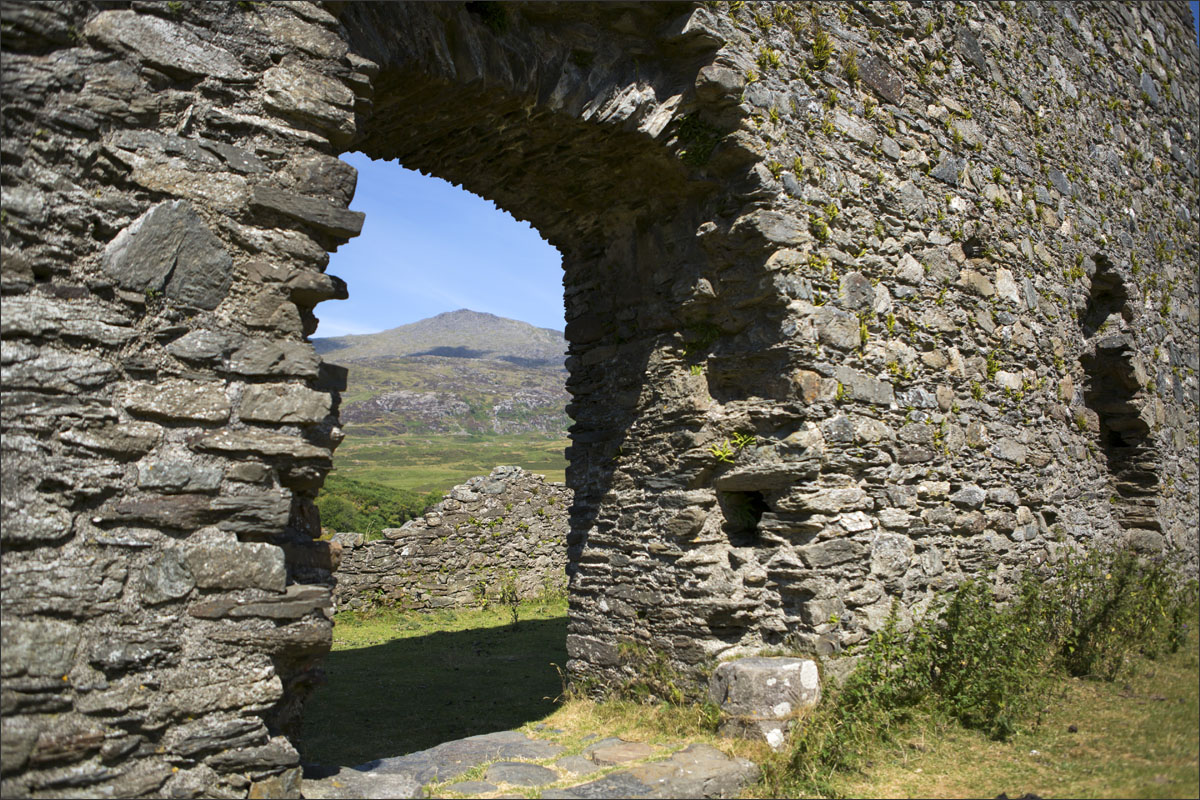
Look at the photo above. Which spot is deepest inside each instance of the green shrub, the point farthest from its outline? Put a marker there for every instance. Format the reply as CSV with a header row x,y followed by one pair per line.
x,y
988,665
368,508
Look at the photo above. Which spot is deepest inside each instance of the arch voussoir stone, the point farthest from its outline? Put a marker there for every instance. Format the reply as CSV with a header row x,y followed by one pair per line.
x,y
835,319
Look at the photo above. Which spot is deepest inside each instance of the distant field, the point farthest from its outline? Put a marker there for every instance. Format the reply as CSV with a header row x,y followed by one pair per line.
x,y
437,462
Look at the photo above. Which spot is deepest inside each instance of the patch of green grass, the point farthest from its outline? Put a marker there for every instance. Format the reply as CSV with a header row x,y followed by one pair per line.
x,y
1135,737
438,462
400,682
992,671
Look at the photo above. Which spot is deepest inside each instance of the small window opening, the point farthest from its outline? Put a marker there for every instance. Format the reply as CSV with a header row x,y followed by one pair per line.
x,y
743,511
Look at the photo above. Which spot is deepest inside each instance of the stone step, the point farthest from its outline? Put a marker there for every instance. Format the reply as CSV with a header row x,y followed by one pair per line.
x,y
606,768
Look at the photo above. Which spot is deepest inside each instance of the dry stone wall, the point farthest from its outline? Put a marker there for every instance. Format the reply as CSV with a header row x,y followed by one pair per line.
x,y
861,299
509,526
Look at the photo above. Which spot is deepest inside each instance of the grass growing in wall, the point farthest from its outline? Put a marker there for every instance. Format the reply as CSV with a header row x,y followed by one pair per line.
x,y
973,665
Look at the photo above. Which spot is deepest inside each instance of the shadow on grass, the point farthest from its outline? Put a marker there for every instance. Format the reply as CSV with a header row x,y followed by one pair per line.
x,y
409,694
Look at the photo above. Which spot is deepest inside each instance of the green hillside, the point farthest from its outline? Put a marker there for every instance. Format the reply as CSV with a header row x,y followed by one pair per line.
x,y
433,403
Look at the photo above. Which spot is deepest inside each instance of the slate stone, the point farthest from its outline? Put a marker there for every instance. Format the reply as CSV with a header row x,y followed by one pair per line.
x,y
165,45
214,733
347,784
831,552
612,751
260,442
283,404
297,601
123,440
315,211
296,91
948,169
174,512
1148,86
764,688
1060,182
176,476
520,773
451,759
855,292
614,786
166,578
232,564
44,317
882,79
470,787
968,45
201,346
863,387
177,400
917,398
37,648
969,496
169,249
837,328
261,358
577,765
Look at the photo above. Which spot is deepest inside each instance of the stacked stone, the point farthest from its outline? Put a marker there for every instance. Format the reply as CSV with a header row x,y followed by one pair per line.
x,y
170,192
858,305
947,324
510,525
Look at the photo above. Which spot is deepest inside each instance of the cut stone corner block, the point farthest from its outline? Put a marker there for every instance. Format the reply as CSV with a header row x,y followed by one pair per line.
x,y
760,697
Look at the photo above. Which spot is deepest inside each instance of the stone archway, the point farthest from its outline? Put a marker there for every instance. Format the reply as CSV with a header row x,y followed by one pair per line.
x,y
811,327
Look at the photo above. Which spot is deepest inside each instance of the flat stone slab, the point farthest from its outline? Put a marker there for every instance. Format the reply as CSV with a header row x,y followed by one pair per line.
x,y
348,783
609,752
470,787
698,770
577,765
451,759
520,773
616,785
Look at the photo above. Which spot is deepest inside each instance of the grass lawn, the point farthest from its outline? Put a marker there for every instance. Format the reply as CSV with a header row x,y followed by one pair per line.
x,y
432,462
1137,736
400,682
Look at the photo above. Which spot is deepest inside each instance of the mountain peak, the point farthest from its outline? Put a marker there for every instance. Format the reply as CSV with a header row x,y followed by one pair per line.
x,y
454,334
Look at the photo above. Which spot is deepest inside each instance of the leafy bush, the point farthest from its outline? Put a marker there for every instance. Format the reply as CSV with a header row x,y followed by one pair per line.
x,y
368,508
987,664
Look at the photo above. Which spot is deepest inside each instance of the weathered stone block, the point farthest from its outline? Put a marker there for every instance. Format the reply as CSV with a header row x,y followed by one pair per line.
x,y
764,690
167,46
38,648
124,440
230,564
317,212
264,443
261,358
166,578
283,404
177,400
169,249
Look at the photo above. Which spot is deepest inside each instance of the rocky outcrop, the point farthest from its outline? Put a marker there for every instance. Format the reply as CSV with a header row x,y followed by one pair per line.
x,y
510,525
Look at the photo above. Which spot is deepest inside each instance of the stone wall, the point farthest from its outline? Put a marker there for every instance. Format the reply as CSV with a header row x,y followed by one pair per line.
x,y
858,305
509,525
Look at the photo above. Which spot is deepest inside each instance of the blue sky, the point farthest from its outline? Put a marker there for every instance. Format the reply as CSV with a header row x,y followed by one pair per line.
x,y
429,247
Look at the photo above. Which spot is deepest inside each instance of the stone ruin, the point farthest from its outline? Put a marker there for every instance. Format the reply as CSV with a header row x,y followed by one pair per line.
x,y
861,299
509,525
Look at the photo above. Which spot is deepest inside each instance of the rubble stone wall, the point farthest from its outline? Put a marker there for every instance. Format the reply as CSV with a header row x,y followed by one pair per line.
x,y
858,304
510,525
